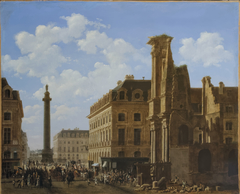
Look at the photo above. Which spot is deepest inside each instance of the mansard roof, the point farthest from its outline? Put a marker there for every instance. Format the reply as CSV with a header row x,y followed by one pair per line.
x,y
144,85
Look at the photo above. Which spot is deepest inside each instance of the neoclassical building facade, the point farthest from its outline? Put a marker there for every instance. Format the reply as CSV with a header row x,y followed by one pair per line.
x,y
71,145
118,127
12,114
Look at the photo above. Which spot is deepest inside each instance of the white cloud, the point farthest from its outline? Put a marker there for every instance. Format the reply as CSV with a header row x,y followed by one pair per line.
x,y
40,50
65,113
70,84
32,114
117,51
207,49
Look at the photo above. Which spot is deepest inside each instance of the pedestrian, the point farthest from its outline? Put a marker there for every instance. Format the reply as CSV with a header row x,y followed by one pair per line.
x,y
96,182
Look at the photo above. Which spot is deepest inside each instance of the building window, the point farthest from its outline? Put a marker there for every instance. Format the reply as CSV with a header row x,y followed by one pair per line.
x,y
59,149
228,125
7,93
64,142
200,138
137,154
77,142
7,135
7,155
229,109
106,136
204,161
72,142
121,117
64,149
137,136
122,93
137,117
228,140
7,116
121,154
121,136
69,142
69,156
72,149
68,149
77,149
15,155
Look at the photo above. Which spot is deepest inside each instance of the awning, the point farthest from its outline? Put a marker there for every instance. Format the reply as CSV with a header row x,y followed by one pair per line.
x,y
104,164
95,164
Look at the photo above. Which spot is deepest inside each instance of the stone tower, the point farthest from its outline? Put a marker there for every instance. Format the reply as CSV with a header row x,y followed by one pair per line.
x,y
160,101
47,155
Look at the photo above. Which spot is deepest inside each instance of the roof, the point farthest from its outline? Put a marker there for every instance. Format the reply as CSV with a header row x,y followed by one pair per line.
x,y
230,95
131,85
4,82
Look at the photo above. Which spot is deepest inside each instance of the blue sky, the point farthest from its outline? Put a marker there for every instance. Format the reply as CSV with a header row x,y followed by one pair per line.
x,y
81,50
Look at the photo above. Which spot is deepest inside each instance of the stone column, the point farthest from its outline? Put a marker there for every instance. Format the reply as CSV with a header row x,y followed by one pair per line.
x,y
47,153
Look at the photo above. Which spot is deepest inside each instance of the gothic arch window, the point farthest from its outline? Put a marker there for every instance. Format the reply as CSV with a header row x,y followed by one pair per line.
x,y
7,93
183,135
7,116
137,117
204,161
121,117
233,162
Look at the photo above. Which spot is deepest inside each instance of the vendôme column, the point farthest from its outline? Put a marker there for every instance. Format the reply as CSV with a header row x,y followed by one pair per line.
x,y
47,155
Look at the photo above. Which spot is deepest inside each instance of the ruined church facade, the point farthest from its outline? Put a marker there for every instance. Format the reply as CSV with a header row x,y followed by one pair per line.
x,y
193,130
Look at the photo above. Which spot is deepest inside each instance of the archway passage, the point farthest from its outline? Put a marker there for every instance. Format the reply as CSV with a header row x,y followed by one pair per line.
x,y
233,162
204,161
183,135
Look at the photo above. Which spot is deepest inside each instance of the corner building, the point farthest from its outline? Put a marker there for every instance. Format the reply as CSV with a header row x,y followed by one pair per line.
x,y
12,114
118,125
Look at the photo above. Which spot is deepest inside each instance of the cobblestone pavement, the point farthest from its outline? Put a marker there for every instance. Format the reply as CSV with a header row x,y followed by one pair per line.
x,y
82,187
75,187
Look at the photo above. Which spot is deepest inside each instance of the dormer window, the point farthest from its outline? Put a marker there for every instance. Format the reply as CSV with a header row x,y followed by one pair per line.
x,y
7,93
122,93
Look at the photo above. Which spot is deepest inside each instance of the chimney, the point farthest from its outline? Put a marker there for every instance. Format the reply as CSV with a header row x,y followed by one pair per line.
x,y
129,77
221,86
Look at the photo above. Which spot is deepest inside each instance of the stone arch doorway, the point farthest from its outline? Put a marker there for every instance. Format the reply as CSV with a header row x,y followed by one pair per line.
x,y
183,134
204,161
233,162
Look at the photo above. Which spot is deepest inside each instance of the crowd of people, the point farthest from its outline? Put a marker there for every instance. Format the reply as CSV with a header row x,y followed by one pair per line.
x,y
40,175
